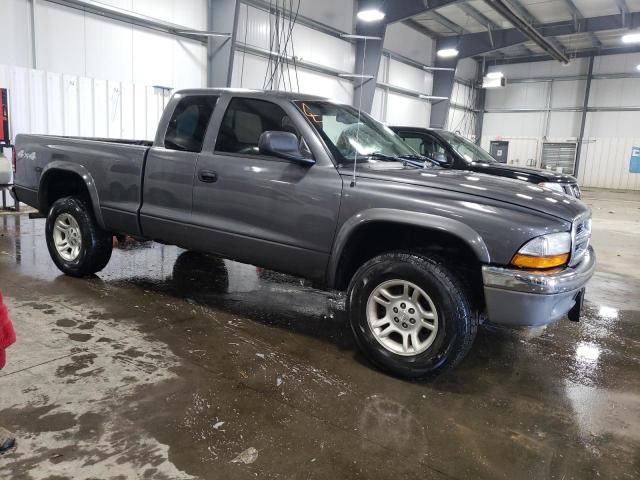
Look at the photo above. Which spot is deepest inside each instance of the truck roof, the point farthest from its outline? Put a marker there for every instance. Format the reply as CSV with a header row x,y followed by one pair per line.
x,y
246,92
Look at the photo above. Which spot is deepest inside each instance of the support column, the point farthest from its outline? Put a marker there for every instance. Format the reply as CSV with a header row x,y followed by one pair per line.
x,y
481,99
583,122
368,54
222,16
442,87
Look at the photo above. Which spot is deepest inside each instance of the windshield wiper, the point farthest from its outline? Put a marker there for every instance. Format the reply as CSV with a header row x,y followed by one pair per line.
x,y
417,158
405,159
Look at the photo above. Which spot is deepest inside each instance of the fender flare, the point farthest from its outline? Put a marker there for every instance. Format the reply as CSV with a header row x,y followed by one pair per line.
x,y
80,171
403,217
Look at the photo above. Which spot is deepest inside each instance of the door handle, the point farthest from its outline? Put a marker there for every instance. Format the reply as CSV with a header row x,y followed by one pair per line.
x,y
207,176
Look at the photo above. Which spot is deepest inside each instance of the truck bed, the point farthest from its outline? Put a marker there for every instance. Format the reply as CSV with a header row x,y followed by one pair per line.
x,y
118,163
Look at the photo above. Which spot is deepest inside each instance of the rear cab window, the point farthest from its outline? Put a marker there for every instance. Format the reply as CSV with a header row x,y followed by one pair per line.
x,y
188,124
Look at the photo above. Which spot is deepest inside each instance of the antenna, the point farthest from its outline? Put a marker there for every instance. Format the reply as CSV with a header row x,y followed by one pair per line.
x,y
355,155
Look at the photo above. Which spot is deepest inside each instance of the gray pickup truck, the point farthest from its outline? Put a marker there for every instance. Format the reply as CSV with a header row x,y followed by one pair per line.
x,y
305,186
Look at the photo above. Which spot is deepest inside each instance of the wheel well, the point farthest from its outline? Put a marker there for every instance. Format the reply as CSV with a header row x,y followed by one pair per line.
x,y
58,184
376,238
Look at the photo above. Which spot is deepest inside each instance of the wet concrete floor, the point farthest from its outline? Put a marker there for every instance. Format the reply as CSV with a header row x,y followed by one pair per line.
x,y
174,365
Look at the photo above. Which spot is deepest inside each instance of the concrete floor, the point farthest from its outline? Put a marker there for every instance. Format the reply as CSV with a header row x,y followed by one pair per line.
x,y
170,365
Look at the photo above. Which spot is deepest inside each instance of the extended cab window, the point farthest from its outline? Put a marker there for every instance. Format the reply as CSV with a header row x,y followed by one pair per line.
x,y
245,120
188,124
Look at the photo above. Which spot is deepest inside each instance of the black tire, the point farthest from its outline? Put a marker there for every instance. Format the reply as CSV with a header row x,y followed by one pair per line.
x,y
96,245
457,319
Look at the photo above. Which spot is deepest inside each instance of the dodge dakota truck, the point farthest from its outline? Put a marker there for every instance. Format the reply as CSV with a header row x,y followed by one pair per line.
x,y
302,185
455,151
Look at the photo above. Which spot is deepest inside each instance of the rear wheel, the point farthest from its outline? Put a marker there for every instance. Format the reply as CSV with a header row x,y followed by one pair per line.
x,y
76,243
410,314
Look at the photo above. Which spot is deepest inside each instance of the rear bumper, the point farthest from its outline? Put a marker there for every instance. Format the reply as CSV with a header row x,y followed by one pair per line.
x,y
520,298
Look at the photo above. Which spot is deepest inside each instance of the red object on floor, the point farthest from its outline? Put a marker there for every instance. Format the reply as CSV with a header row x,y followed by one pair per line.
x,y
7,333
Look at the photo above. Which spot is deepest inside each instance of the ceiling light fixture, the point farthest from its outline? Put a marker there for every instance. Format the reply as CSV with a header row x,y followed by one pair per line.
x,y
638,67
448,53
495,75
631,38
370,15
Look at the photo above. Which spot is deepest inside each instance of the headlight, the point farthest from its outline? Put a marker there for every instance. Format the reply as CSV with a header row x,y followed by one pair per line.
x,y
556,187
547,251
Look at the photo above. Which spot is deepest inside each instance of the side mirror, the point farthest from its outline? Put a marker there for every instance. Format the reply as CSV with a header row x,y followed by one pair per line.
x,y
283,145
441,159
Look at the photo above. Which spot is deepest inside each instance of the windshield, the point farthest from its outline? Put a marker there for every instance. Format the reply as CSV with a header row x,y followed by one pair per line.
x,y
466,149
349,139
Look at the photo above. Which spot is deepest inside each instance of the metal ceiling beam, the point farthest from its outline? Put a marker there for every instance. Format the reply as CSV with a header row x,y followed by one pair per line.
x,y
402,9
411,23
474,44
577,15
523,12
622,6
127,16
523,26
478,16
578,54
445,22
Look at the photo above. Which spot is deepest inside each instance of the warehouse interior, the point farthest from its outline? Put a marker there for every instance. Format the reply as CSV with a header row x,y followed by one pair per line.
x,y
172,364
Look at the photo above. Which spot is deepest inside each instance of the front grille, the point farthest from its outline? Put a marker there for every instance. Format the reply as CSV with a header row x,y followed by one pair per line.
x,y
581,237
571,189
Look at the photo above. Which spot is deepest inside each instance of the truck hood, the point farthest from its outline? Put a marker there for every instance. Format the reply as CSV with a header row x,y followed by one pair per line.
x,y
528,174
475,184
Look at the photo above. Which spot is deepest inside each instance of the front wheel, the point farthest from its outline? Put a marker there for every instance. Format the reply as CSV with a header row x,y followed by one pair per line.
x,y
410,314
76,243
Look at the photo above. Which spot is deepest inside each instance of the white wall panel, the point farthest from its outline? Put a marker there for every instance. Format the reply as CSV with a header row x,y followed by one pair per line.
x,y
114,112
101,108
409,77
335,13
565,125
108,47
55,105
513,124
605,163
377,111
19,99
71,42
578,66
15,33
309,45
60,39
409,43
518,95
37,115
406,110
616,63
140,112
619,92
568,94
87,116
128,110
70,105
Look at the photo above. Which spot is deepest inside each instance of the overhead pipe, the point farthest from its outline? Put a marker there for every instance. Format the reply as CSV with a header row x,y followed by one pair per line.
x,y
526,29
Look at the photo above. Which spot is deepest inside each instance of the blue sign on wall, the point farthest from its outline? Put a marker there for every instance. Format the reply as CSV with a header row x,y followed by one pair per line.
x,y
634,163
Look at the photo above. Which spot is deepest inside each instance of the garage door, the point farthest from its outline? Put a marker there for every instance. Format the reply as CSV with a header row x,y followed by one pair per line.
x,y
559,157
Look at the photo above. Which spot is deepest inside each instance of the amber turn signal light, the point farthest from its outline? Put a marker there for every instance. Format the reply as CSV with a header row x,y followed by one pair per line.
x,y
529,261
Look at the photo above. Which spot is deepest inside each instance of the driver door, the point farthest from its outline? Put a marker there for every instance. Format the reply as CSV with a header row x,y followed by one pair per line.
x,y
261,209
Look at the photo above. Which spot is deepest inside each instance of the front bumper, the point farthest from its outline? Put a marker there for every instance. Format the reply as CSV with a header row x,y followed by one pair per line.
x,y
521,298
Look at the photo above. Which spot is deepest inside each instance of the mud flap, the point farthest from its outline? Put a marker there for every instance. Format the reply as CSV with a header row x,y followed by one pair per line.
x,y
576,310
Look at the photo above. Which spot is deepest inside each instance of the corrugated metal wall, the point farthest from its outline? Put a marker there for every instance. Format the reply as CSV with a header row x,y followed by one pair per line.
x,y
609,135
60,104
